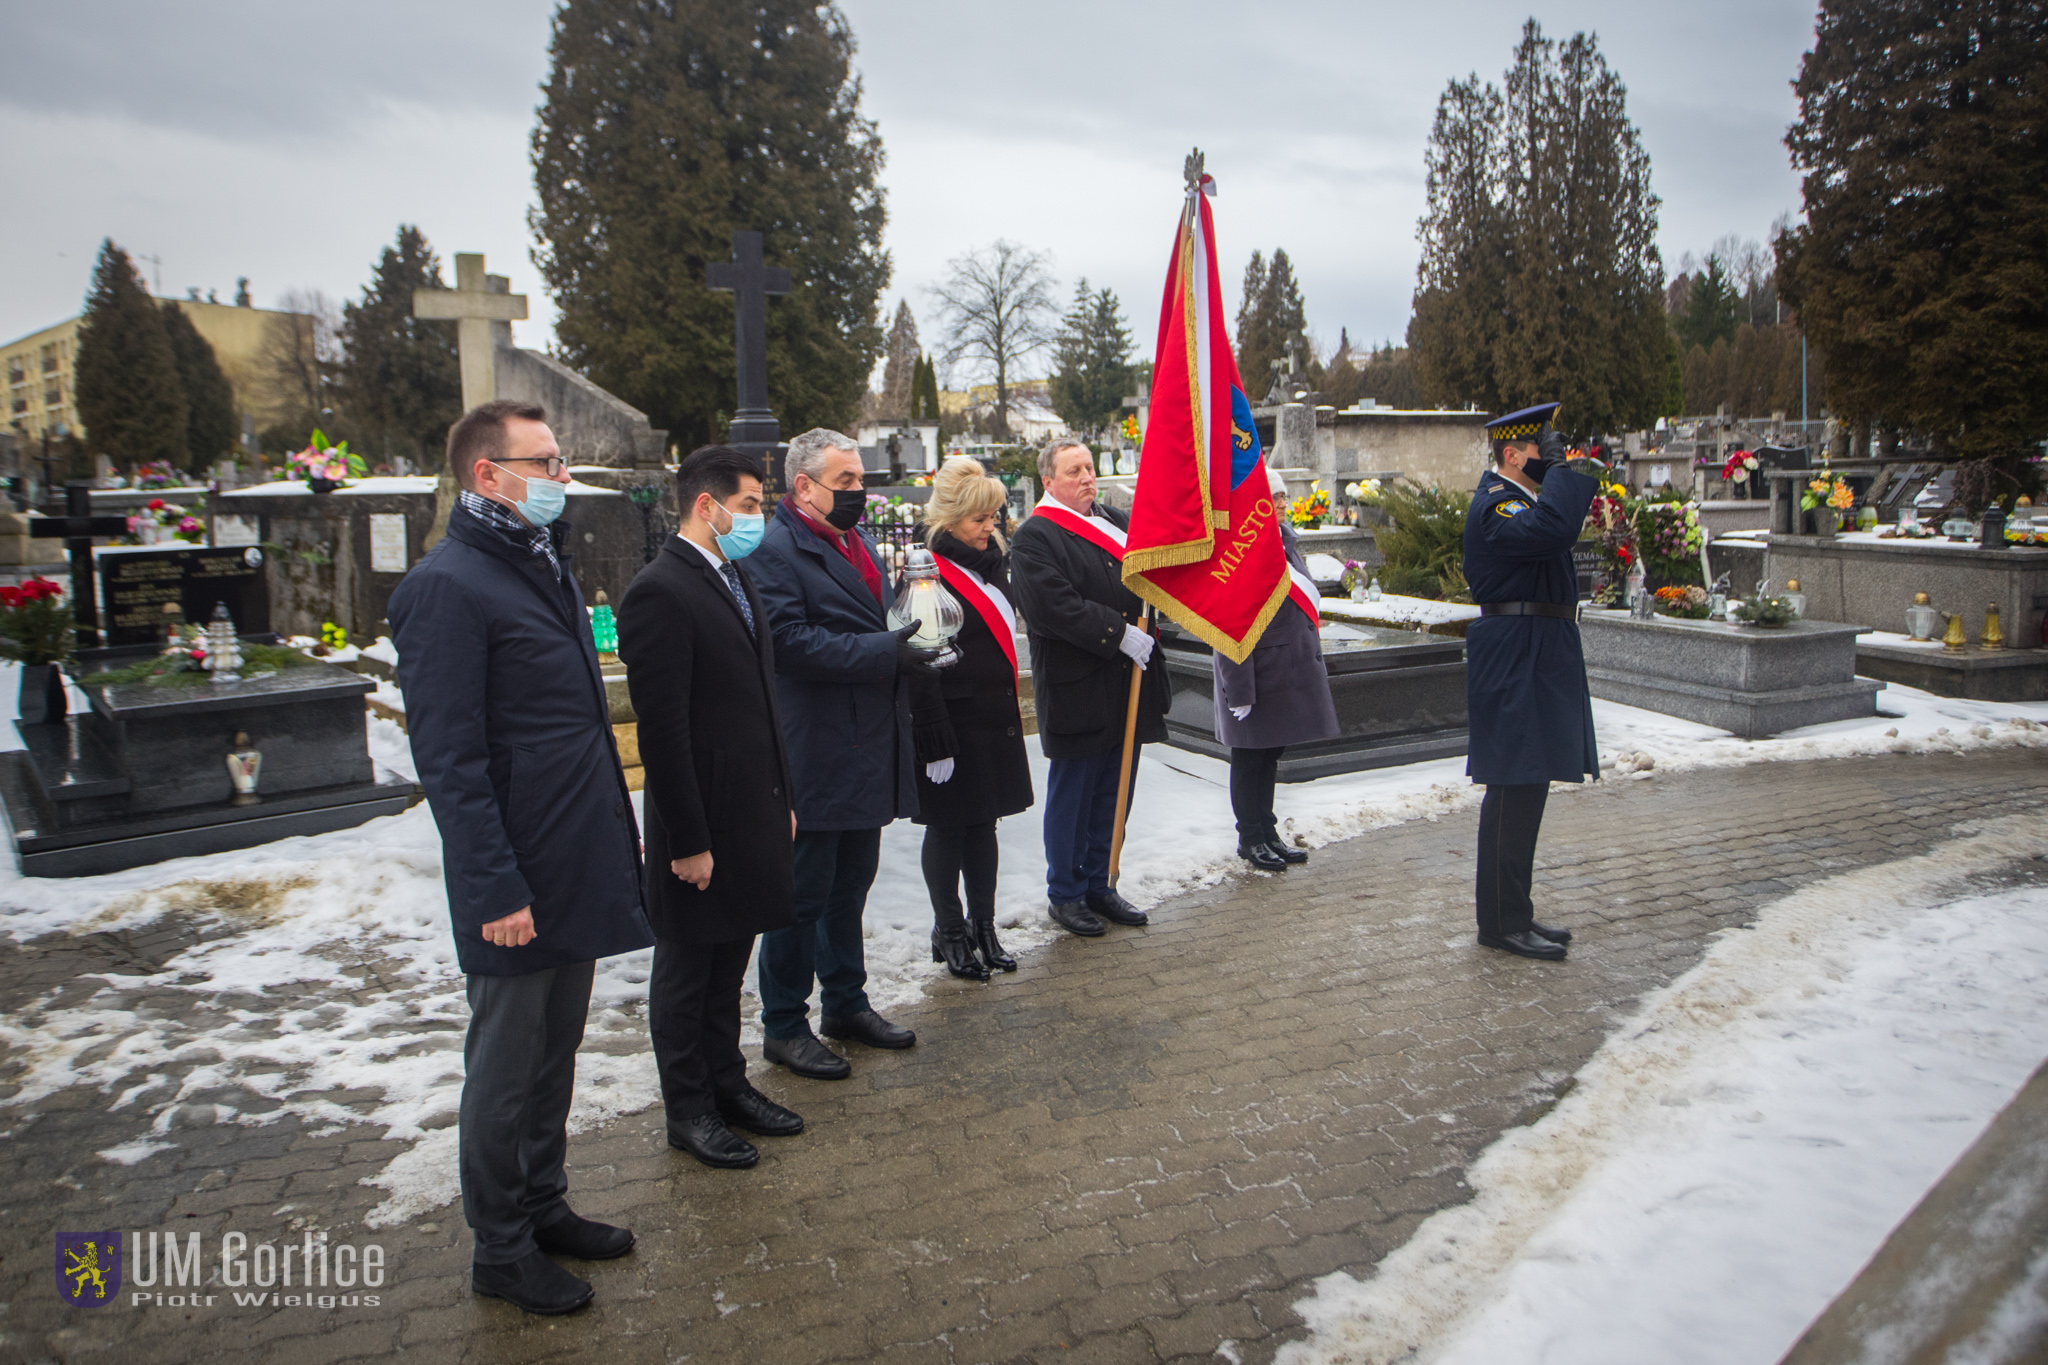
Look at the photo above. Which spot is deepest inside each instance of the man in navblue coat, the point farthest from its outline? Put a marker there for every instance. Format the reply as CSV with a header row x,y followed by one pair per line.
x,y
845,708
1531,715
512,737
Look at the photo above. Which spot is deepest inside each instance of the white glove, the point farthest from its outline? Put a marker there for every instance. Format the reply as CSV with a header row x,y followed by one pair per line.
x,y
1241,711
939,772
1136,645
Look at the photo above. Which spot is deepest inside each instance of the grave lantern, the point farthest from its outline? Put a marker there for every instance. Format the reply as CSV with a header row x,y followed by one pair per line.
x,y
1921,618
924,601
244,762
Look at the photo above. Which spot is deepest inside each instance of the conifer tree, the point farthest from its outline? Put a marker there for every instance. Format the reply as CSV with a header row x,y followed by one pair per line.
x,y
665,129
1922,267
400,381
130,400
899,368
1093,353
1709,312
1271,318
924,402
210,423
1540,276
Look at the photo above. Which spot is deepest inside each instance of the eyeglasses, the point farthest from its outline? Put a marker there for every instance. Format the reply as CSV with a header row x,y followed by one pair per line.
x,y
555,463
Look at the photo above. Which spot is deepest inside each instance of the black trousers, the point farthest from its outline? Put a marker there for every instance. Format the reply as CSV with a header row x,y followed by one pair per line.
x,y
1253,773
518,1070
693,1014
955,851
1509,819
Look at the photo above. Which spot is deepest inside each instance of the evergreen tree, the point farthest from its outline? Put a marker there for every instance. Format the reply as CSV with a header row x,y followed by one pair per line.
x,y
1922,268
1540,276
899,370
1709,312
400,379
924,392
1094,361
1271,318
130,400
665,128
210,423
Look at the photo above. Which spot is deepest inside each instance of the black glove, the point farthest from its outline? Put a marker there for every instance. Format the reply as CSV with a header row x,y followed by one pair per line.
x,y
1550,454
909,657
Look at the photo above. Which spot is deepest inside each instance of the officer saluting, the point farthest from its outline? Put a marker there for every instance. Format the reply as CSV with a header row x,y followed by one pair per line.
x,y
1531,715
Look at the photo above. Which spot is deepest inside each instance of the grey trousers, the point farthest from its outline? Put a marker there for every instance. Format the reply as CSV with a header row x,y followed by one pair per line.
x,y
519,1069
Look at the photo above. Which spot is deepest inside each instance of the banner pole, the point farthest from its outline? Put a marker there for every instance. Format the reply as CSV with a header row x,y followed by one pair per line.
x,y
1123,778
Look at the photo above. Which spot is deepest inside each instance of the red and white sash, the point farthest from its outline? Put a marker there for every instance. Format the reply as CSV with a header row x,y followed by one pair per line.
x,y
994,608
1100,532
1303,590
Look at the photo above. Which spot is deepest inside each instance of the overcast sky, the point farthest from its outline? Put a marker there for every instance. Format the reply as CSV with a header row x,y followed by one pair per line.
x,y
285,141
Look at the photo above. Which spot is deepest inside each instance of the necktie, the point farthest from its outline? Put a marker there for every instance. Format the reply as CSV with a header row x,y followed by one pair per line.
x,y
732,580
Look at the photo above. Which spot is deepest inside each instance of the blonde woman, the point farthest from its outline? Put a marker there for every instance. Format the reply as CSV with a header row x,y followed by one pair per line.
x,y
970,737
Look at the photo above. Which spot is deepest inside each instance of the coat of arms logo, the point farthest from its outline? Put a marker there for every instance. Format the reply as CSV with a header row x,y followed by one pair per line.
x,y
89,1268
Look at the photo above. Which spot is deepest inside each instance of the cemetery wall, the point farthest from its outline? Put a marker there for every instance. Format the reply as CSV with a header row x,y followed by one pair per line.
x,y
591,426
1440,449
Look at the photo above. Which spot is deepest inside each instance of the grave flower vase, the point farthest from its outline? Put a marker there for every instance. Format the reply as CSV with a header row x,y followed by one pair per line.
x,y
323,485
43,700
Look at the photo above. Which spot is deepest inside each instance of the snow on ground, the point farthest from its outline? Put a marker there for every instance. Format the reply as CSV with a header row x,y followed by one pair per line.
x,y
1416,611
1729,1160
326,964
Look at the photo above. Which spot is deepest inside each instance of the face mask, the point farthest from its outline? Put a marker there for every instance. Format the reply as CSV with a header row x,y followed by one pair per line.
x,y
545,500
849,505
1537,468
744,537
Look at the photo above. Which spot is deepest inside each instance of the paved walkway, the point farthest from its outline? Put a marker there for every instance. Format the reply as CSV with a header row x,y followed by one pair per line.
x,y
1140,1148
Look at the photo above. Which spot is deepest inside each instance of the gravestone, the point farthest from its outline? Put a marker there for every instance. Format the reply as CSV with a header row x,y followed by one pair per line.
x,y
77,527
135,584
1752,681
142,775
753,428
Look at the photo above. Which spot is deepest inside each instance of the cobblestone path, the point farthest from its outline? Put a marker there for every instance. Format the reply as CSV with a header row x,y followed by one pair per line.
x,y
1140,1148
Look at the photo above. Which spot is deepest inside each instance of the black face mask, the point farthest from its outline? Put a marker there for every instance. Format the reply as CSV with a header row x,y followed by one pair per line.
x,y
1537,468
849,505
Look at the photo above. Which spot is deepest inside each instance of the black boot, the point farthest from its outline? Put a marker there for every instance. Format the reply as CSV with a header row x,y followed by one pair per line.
x,y
1284,851
1262,857
983,932
951,946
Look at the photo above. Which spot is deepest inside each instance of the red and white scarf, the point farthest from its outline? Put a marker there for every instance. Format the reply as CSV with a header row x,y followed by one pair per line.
x,y
988,601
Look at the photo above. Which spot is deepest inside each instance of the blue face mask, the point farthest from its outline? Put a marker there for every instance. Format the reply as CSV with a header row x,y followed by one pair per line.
x,y
545,500
744,537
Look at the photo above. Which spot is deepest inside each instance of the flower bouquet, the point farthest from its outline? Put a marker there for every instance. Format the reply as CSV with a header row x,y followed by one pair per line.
x,y
326,466
1366,491
1740,466
1688,602
36,630
161,521
1308,513
1129,430
156,474
1828,490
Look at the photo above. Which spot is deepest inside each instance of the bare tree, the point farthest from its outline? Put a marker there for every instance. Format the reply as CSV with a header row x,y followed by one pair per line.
x,y
301,355
996,307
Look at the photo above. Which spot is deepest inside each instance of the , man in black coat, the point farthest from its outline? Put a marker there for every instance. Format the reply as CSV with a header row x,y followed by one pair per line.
x,y
700,662
513,740
845,710
1066,563
1525,676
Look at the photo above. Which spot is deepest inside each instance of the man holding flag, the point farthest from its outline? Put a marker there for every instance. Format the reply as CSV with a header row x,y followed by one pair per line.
x,y
1066,563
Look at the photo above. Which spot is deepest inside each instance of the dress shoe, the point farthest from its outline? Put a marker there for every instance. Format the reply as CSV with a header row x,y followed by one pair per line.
x,y
990,947
533,1283
951,946
708,1139
1261,857
1293,857
1524,944
806,1056
1116,909
866,1027
585,1240
1554,935
1076,918
755,1112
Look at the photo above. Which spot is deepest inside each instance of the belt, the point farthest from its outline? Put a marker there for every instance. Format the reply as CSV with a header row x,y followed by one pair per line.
x,y
1563,611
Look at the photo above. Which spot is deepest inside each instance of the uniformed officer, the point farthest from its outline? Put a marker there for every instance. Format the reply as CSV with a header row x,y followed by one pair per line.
x,y
1531,715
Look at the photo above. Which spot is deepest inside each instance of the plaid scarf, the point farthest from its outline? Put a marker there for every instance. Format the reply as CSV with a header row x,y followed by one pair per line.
x,y
498,518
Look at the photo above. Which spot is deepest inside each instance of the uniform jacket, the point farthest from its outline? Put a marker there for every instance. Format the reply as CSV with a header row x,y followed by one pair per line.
x,y
1074,600
1525,676
717,777
1283,680
845,712
512,737
968,713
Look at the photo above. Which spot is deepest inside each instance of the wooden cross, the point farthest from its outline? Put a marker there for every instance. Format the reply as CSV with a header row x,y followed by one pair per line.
x,y
750,283
78,528
476,303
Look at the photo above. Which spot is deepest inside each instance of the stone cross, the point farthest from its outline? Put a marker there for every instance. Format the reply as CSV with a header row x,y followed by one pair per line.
x,y
750,283
478,303
77,528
